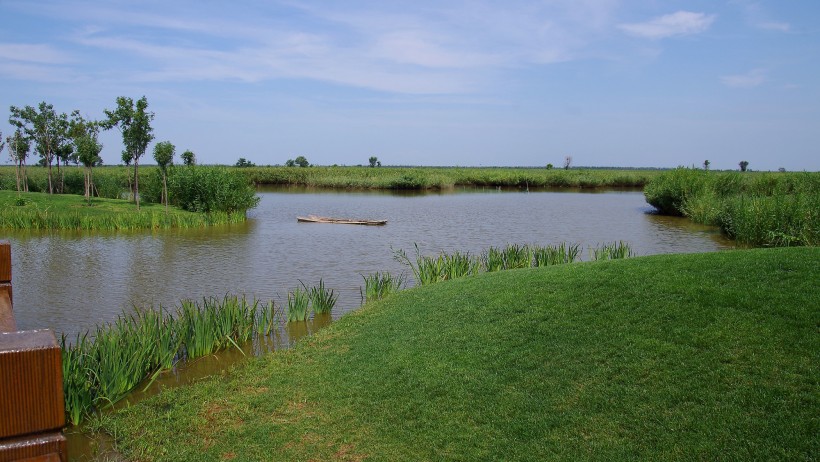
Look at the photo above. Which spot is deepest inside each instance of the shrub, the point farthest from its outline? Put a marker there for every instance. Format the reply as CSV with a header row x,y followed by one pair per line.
x,y
210,189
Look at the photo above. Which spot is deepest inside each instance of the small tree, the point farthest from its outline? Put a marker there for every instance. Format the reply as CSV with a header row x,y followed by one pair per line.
x,y
134,122
164,155
374,161
549,166
743,164
85,133
290,163
706,164
567,162
242,162
188,158
19,146
45,127
301,161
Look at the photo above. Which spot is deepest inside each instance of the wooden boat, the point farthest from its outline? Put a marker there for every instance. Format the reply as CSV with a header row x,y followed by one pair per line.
x,y
344,221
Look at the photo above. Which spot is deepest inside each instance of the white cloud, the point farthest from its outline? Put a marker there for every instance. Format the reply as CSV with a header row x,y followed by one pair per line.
x,y
670,25
751,79
32,53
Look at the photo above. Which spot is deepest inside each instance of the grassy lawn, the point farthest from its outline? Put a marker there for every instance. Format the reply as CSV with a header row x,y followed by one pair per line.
x,y
675,357
71,211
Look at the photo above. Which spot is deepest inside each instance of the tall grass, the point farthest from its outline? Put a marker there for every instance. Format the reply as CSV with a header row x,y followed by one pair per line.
x,y
322,299
100,367
437,178
442,267
612,251
758,209
298,305
380,285
556,255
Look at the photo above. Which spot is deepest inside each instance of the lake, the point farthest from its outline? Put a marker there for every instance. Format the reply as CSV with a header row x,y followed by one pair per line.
x,y
71,281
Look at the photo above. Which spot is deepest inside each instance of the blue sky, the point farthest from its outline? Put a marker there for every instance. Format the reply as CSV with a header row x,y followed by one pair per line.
x,y
639,83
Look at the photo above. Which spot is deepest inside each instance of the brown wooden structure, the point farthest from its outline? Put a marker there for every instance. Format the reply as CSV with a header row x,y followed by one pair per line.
x,y
32,413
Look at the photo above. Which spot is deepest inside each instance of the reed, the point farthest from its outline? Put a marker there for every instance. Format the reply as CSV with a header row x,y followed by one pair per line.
x,y
612,251
756,209
322,299
510,257
102,367
439,178
442,267
555,255
298,305
380,285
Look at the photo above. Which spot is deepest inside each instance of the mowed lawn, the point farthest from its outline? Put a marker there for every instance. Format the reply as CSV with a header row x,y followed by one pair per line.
x,y
675,357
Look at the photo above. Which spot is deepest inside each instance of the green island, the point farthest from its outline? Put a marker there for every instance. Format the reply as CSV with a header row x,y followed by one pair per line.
x,y
668,357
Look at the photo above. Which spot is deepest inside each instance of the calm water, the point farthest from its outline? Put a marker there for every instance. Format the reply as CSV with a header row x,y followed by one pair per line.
x,y
71,281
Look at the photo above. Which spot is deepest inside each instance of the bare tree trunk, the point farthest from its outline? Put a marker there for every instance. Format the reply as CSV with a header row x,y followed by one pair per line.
x,y
50,187
17,164
136,183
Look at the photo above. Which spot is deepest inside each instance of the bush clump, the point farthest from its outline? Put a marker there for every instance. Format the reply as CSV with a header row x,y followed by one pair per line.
x,y
210,189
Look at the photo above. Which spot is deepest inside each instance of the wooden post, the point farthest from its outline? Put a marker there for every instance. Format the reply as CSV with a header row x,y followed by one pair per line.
x,y
32,412
7,323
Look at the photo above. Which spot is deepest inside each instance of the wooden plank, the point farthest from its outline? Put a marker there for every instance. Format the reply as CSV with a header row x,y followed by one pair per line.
x,y
31,383
5,262
7,323
47,447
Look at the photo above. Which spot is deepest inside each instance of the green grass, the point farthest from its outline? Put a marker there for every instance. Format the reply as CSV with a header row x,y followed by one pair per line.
x,y
68,211
436,178
675,357
756,209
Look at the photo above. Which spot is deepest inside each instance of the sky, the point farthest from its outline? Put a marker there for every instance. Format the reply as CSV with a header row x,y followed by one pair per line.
x,y
629,83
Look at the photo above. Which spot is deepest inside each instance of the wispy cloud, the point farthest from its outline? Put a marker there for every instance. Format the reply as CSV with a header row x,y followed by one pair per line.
x,y
32,53
670,25
775,26
751,79
452,47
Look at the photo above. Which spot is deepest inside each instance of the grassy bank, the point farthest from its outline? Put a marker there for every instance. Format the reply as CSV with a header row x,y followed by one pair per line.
x,y
67,211
422,178
707,356
759,209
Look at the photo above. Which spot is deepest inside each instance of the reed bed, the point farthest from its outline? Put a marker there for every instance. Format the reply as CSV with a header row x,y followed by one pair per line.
x,y
437,178
756,209
380,285
442,267
322,299
298,305
43,219
102,366
612,251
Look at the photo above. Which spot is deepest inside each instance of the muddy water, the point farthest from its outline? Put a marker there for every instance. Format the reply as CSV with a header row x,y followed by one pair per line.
x,y
72,281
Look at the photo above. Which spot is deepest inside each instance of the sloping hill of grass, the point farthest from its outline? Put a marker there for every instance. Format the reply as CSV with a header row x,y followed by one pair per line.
x,y
676,357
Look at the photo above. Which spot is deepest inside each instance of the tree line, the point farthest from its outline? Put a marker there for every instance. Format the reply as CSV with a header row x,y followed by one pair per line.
x,y
60,139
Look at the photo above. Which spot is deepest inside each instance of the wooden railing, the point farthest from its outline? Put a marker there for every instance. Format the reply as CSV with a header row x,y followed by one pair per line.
x,y
32,413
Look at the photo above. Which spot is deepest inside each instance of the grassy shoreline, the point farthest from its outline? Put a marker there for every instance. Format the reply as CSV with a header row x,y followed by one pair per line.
x,y
41,211
112,179
698,356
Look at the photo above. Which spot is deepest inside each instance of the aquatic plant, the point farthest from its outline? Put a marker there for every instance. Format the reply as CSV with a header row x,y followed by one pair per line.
x,y
380,285
612,251
555,255
322,299
101,368
510,257
298,305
